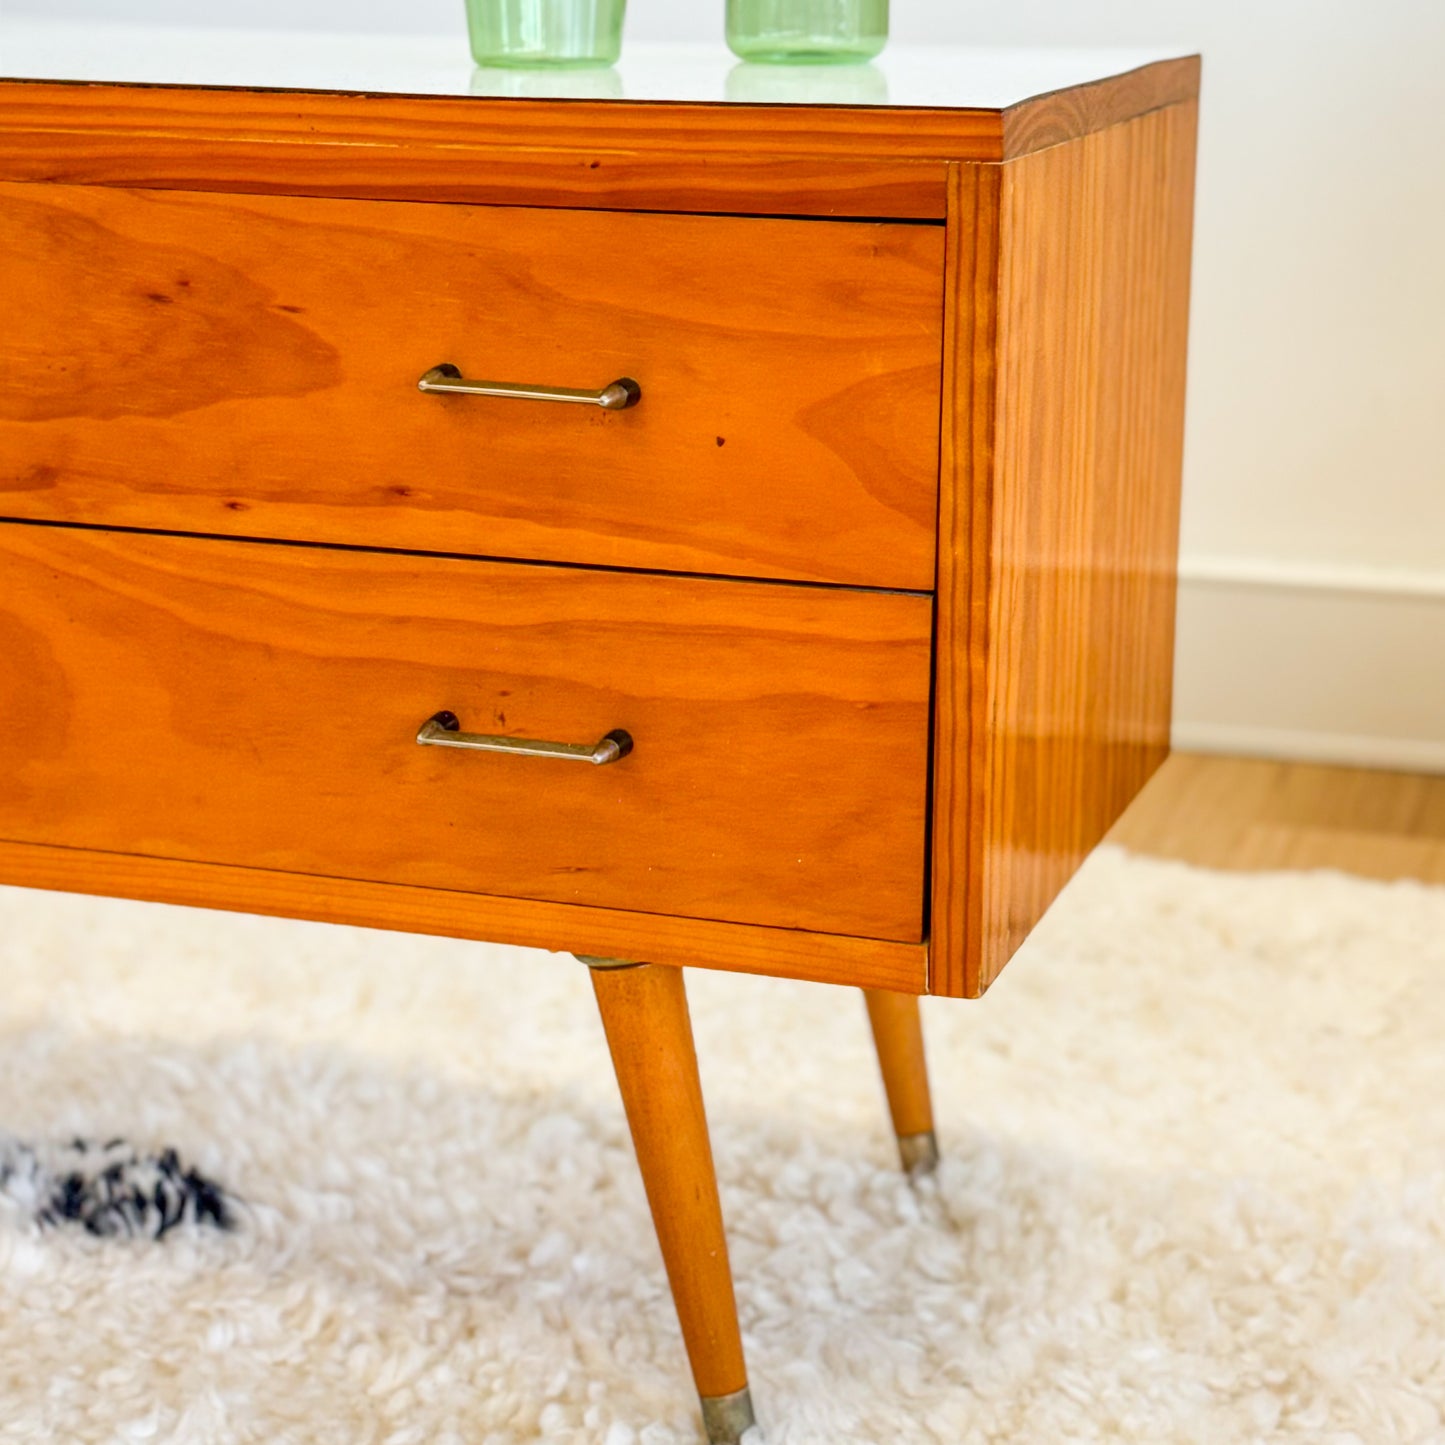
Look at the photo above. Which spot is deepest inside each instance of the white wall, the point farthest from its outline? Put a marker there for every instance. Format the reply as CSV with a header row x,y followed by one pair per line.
x,y
1313,601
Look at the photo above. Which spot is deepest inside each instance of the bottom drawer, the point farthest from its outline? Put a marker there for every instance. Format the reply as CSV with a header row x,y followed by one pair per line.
x,y
258,704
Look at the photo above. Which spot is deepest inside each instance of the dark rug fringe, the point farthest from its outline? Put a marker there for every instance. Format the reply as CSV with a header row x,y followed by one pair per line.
x,y
110,1189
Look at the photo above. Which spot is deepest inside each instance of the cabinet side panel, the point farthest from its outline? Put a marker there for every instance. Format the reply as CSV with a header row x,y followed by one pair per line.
x,y
1095,242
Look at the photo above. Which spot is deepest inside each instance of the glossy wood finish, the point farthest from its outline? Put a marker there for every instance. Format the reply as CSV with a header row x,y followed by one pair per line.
x,y
644,1012
248,366
1059,520
561,927
771,159
961,631
898,1037
1066,115
255,705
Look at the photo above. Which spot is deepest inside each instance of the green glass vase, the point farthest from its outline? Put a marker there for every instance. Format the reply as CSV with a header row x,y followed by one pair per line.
x,y
545,32
807,32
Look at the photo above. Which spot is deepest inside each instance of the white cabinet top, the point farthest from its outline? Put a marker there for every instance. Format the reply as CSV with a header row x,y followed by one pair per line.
x,y
939,77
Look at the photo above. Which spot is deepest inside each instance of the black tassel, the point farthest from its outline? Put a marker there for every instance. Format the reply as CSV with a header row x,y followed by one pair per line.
x,y
112,1189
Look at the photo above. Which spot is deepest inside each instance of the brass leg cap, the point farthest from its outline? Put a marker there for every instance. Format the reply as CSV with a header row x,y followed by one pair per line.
x,y
604,964
727,1418
919,1153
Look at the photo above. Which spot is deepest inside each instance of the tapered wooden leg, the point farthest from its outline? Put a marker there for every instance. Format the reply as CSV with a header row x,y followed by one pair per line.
x,y
898,1034
644,1013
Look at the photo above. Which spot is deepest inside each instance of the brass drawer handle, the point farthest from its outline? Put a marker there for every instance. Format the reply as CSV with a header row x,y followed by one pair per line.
x,y
616,396
442,730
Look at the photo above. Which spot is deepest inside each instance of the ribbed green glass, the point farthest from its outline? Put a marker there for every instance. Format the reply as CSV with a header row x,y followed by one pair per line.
x,y
545,32
807,32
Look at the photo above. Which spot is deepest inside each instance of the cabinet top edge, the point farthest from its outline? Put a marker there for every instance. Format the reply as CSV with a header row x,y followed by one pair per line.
x,y
912,103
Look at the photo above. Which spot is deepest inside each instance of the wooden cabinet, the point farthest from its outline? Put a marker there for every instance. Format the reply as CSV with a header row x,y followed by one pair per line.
x,y
876,573
977,402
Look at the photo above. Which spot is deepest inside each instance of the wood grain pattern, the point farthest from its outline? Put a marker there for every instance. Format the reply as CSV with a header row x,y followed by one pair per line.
x,y
961,635
560,927
898,1037
1078,488
248,366
649,1034
236,703
778,160
770,159
1065,115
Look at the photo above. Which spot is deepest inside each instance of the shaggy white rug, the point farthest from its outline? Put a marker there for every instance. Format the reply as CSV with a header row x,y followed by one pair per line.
x,y
1194,1186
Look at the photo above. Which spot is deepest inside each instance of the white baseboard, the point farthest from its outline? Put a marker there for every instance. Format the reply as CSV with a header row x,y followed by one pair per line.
x,y
1324,664
1255,572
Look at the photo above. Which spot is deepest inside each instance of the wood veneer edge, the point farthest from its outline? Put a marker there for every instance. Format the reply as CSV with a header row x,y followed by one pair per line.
x,y
560,927
623,126
964,531
848,162
716,159
1080,110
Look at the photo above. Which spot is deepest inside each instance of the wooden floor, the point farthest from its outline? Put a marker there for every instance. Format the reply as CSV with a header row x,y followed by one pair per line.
x,y
1242,813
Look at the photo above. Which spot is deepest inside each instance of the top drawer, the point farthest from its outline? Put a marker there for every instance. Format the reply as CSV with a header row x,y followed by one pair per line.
x,y
249,365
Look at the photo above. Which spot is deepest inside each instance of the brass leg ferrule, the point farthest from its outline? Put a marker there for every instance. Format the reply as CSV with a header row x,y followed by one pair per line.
x,y
727,1418
919,1153
592,961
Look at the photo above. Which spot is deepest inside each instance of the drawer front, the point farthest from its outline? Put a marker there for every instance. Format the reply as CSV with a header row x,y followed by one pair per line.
x,y
258,705
248,366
